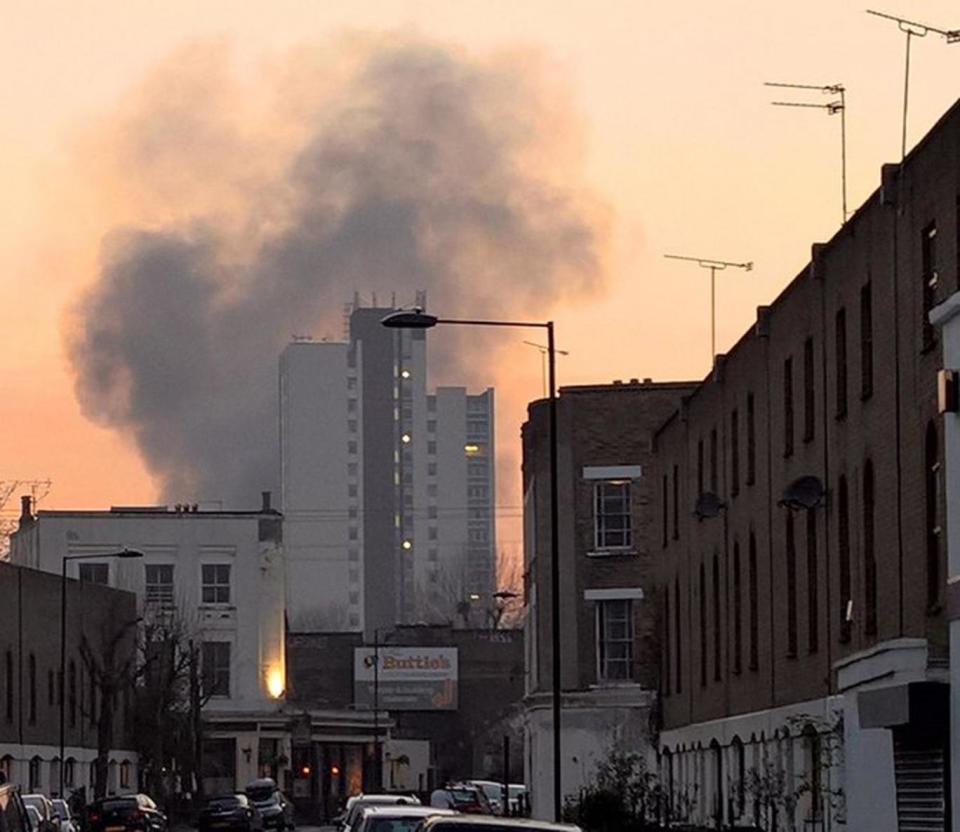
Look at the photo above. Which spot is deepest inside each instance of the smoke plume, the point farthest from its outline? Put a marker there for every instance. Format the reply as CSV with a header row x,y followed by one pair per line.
x,y
250,210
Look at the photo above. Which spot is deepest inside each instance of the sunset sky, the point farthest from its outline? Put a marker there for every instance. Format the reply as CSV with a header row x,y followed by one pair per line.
x,y
658,116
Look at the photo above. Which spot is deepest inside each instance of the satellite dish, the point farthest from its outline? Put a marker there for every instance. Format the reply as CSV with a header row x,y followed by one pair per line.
x,y
803,494
708,505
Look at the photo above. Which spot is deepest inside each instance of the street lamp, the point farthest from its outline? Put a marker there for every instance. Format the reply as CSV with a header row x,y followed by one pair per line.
x,y
416,318
123,554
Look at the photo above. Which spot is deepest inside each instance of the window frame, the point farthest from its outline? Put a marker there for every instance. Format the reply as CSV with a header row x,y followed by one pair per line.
x,y
603,641
220,672
215,586
164,600
601,534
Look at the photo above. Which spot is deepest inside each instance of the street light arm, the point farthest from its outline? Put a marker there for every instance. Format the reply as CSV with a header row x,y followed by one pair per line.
x,y
521,324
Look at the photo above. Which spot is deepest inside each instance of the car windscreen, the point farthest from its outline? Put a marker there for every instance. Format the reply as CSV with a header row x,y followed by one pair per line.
x,y
123,804
464,796
454,826
408,824
263,796
219,804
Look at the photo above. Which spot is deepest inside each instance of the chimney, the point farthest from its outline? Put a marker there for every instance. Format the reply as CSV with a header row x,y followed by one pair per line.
x,y
26,510
265,497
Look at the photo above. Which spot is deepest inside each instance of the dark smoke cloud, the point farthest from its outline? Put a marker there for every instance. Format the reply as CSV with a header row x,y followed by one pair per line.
x,y
394,166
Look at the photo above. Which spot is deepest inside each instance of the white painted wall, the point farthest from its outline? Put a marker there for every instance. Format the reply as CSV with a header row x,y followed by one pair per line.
x,y
253,620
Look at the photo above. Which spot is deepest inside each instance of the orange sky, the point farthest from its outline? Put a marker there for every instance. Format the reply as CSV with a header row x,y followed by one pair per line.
x,y
676,134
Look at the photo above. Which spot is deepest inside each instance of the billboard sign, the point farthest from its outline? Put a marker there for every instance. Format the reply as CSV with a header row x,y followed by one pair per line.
x,y
409,678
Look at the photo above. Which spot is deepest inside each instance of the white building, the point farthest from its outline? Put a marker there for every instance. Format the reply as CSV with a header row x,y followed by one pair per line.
x,y
388,489
221,574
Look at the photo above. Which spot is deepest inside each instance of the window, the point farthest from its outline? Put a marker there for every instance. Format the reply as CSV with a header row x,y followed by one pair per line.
x,y
50,693
699,467
352,469
159,584
737,612
72,693
734,452
94,573
791,587
665,511
125,774
612,526
869,554
840,346
351,405
6,775
866,341
809,394
93,700
432,446
677,633
614,640
69,772
843,551
751,441
788,407
717,640
667,647
33,774
215,661
713,460
352,490
8,674
352,425
932,495
215,580
432,533
930,280
32,682
754,605
676,502
703,627
431,512
431,469
352,447
813,622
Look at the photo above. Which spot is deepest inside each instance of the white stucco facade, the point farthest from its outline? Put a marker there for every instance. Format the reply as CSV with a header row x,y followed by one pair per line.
x,y
238,603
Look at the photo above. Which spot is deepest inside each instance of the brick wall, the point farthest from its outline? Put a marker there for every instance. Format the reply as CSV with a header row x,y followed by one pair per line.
x,y
884,424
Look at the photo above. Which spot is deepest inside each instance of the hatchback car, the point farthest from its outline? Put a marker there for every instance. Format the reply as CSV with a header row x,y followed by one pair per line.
x,y
395,818
465,823
62,811
232,813
357,803
125,813
49,822
268,800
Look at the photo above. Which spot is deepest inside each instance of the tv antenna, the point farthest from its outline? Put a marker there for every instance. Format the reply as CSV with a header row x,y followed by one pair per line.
x,y
714,266
544,350
913,29
838,105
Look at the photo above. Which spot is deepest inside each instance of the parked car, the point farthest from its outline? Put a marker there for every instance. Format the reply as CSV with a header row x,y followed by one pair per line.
x,y
234,812
62,811
406,818
125,813
463,798
14,816
275,810
49,822
362,801
34,818
466,823
493,791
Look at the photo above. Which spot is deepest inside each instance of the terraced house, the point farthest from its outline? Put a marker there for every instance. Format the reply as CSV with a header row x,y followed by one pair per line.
x,y
801,569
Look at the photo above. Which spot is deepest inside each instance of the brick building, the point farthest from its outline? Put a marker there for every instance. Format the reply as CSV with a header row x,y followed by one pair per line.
x,y
29,673
607,543
801,568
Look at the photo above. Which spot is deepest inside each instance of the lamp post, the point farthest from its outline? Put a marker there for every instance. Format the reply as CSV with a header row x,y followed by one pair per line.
x,y
416,318
123,554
